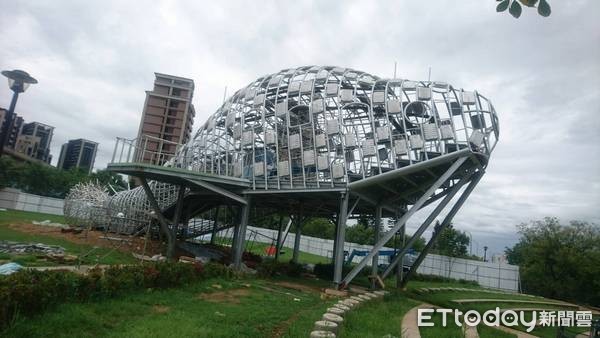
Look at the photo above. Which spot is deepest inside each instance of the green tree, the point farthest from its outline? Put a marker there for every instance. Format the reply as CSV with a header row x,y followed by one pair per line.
x,y
319,227
559,261
452,242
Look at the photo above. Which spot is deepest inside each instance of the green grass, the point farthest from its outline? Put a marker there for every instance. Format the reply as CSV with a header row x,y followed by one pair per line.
x,y
10,216
99,255
286,254
244,308
378,318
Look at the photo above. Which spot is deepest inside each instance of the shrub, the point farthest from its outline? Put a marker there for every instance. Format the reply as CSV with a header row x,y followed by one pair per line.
x,y
29,292
271,267
434,278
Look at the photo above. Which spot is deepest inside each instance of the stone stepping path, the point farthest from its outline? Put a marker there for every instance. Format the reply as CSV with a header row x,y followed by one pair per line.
x,y
332,320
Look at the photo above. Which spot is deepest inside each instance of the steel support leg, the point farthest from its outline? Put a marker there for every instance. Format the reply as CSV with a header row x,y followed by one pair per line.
x,y
178,209
213,235
455,189
164,223
339,240
238,249
400,265
279,235
296,253
375,263
447,220
388,235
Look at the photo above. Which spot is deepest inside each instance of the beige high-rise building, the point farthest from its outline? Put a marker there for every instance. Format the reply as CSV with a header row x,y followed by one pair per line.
x,y
167,118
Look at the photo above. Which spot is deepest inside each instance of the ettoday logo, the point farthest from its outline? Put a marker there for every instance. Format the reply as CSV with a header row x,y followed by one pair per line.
x,y
508,318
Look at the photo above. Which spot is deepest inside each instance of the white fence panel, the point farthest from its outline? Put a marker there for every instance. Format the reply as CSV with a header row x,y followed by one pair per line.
x,y
492,275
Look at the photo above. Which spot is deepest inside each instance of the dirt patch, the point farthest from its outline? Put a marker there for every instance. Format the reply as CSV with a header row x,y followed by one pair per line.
x,y
92,238
161,309
284,326
230,296
298,287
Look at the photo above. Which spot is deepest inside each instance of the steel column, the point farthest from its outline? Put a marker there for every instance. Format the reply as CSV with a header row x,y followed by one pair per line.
x,y
164,223
426,223
178,208
297,240
213,234
388,235
279,235
238,249
339,240
377,229
447,220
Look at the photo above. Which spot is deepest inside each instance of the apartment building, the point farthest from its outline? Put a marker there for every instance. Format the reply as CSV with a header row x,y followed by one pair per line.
x,y
167,118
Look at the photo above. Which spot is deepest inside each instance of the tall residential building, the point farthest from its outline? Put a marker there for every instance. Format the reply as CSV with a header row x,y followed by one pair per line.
x,y
168,115
78,153
44,132
13,131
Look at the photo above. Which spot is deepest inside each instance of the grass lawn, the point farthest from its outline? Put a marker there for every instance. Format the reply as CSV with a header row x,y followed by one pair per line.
x,y
378,318
286,254
211,308
99,255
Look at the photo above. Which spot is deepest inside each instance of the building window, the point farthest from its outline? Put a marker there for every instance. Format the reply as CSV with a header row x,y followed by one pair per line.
x,y
176,92
172,112
170,121
174,104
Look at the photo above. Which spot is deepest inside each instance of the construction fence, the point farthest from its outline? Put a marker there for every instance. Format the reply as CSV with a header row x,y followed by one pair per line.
x,y
492,275
17,200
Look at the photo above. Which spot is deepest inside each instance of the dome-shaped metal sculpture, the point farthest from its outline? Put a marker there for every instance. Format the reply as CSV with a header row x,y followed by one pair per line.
x,y
320,141
325,126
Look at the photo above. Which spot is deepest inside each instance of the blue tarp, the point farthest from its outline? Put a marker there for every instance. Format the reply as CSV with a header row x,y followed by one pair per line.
x,y
9,268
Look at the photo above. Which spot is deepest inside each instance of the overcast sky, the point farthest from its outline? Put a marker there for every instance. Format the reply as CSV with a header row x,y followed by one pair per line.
x,y
95,59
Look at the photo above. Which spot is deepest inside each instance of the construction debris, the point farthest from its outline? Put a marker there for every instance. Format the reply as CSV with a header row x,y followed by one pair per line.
x,y
30,248
155,258
49,223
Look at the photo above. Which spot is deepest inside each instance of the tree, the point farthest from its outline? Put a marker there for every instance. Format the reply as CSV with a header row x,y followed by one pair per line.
x,y
559,261
319,227
452,242
515,9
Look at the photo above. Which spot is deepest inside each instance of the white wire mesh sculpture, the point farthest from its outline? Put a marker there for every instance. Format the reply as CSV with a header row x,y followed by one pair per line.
x,y
85,205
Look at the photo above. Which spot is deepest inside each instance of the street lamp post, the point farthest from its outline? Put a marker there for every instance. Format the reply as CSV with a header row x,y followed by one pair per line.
x,y
18,81
485,253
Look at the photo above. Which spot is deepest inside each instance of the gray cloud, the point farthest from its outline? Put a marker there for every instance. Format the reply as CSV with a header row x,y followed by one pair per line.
x,y
94,59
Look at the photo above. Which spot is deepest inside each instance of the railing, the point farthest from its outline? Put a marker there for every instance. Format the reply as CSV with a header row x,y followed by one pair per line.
x,y
145,149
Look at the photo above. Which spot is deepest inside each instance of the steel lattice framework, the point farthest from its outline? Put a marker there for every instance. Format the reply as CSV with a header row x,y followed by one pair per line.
x,y
326,126
318,141
85,205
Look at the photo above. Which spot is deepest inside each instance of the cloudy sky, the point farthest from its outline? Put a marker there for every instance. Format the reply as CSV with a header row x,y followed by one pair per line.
x,y
95,59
